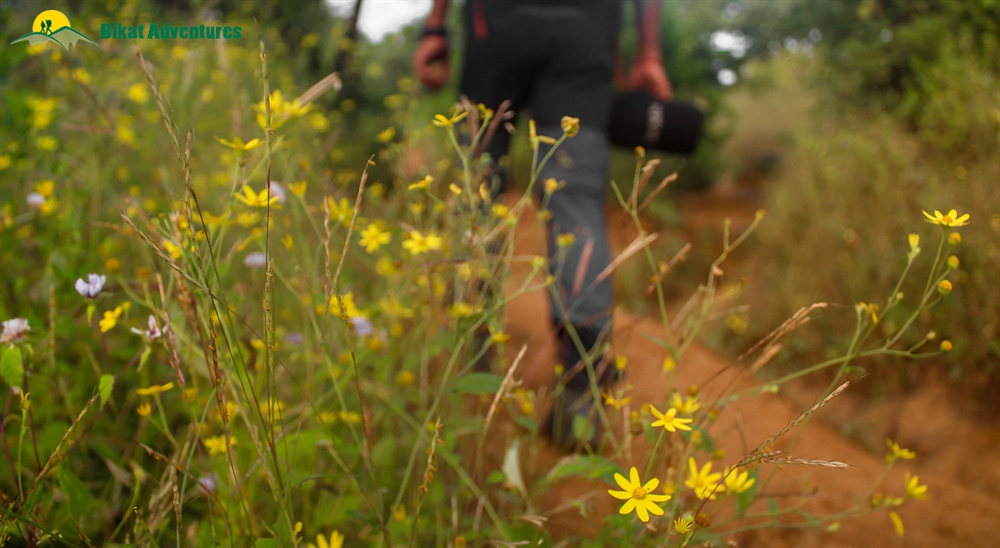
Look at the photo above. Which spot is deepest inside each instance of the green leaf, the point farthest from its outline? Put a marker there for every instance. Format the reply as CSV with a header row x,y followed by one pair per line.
x,y
267,543
80,499
477,383
744,499
495,477
10,366
106,385
527,423
584,466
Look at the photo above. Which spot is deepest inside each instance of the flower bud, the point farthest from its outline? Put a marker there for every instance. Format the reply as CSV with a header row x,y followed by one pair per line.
x,y
946,346
944,287
570,125
953,263
954,238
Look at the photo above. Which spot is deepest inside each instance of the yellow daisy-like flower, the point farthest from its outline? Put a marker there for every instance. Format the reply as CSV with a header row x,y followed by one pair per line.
x,y
499,337
238,145
256,199
154,390
386,135
951,219
669,420
638,496
110,319
913,488
685,406
683,525
609,399
703,482
144,410
897,452
216,445
340,211
336,541
349,308
418,244
373,238
738,481
441,121
298,189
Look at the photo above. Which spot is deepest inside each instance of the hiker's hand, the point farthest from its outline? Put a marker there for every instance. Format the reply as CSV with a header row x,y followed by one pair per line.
x,y
648,75
430,62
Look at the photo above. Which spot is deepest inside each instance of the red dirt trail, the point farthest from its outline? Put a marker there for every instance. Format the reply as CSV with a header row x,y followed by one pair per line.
x,y
958,456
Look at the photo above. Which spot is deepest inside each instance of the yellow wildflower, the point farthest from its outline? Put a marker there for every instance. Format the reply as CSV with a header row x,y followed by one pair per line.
x,y
349,308
110,319
256,199
455,189
951,219
144,410
373,238
669,364
336,541
872,310
946,346
422,183
238,145
155,389
953,262
386,135
499,337
683,525
217,445
954,238
45,188
552,185
340,211
702,482
298,189
638,496
441,121
897,452
685,406
913,488
46,143
137,93
609,399
405,378
418,244
738,481
565,240
669,420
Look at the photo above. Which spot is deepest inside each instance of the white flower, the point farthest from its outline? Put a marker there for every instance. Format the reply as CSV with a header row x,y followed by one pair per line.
x,y
14,330
150,334
275,190
255,259
90,288
35,200
362,327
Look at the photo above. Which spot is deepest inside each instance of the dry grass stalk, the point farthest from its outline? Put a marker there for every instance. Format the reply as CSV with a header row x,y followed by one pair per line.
x,y
504,388
801,417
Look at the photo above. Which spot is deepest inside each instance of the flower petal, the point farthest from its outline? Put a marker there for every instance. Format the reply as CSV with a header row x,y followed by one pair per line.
x,y
651,485
623,483
658,498
642,512
634,477
653,507
621,495
627,507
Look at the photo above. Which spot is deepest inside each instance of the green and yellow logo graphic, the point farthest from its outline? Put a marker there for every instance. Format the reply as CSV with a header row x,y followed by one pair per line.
x,y
53,26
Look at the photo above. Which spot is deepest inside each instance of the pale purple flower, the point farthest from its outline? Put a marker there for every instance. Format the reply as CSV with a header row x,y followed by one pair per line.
x,y
295,338
35,200
90,288
362,326
150,334
14,330
275,190
209,481
255,259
